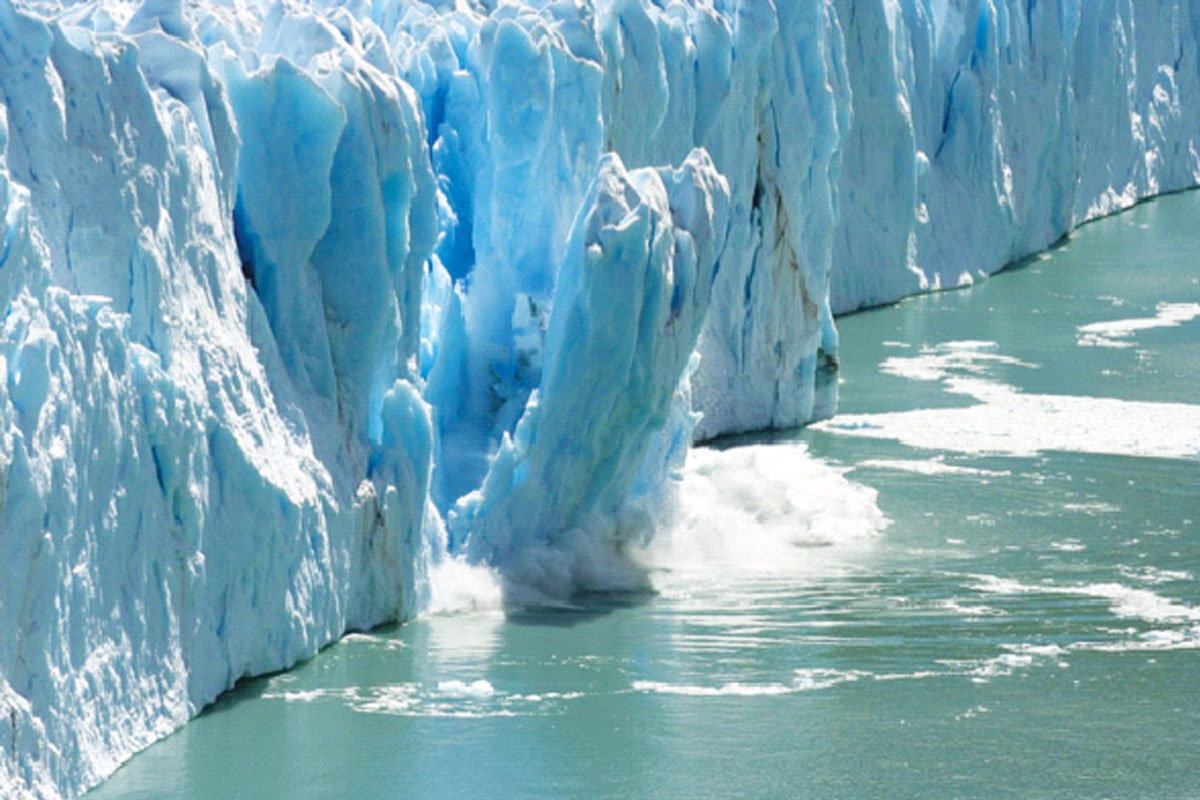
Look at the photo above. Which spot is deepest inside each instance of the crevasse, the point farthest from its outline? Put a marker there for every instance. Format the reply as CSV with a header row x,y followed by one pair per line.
x,y
299,300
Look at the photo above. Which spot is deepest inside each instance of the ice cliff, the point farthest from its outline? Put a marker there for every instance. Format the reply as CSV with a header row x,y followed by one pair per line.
x,y
300,299
983,132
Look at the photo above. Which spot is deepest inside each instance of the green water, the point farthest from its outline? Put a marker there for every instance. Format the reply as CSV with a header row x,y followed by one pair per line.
x,y
1027,624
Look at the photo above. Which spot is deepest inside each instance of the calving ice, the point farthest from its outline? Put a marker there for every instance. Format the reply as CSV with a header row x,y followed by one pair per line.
x,y
302,303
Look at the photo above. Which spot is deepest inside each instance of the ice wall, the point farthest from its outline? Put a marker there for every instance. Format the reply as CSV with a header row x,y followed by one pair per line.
x,y
200,481
631,297
299,299
985,130
760,85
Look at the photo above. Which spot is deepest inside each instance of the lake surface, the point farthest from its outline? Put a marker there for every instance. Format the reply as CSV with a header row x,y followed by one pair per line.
x,y
1025,624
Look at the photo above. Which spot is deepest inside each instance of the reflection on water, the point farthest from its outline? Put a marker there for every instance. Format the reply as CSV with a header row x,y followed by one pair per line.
x,y
979,580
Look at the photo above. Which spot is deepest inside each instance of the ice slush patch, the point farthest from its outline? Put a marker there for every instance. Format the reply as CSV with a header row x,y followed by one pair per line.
x,y
1117,333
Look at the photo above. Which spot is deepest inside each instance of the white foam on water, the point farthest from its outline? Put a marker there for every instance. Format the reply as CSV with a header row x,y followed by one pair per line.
x,y
454,698
929,466
542,696
1124,601
1008,422
1142,603
480,689
971,713
311,695
724,690
398,700
762,509
1002,665
410,700
948,359
1021,657
456,587
805,680
817,678
977,610
1149,641
1154,575
374,640
1015,657
1036,650
1092,509
1116,333
915,675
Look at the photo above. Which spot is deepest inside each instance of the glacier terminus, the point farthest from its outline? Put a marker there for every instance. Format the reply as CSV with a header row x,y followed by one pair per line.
x,y
302,301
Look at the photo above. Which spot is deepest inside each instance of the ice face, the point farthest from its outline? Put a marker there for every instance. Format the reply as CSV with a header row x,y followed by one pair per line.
x,y
198,484
631,297
302,303
984,132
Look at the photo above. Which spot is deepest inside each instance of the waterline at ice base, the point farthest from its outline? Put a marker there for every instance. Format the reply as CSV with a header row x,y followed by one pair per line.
x,y
315,316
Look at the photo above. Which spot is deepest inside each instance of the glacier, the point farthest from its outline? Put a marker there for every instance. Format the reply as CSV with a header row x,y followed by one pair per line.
x,y
302,302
